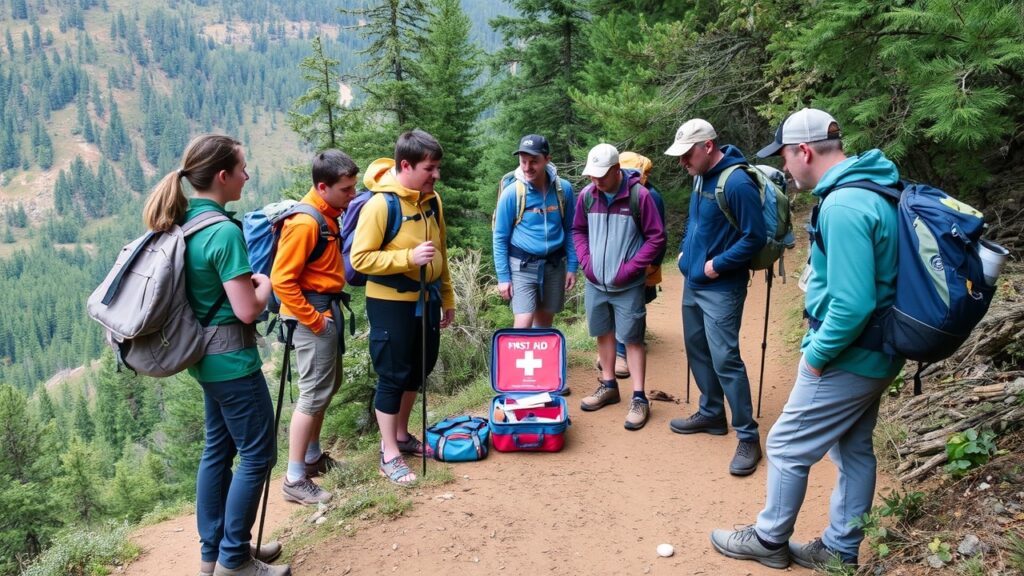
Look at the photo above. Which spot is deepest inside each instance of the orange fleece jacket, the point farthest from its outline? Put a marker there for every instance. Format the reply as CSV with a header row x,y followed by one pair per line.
x,y
291,275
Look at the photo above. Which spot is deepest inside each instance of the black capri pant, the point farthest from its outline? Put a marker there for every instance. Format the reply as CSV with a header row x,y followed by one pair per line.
x,y
397,348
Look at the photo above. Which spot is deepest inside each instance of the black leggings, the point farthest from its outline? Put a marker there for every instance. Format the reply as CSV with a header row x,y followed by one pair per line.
x,y
397,348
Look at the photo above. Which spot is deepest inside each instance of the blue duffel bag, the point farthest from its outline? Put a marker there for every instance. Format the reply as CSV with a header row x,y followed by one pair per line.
x,y
459,439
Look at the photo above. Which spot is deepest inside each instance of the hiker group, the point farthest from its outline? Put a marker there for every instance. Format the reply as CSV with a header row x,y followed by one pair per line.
x,y
392,238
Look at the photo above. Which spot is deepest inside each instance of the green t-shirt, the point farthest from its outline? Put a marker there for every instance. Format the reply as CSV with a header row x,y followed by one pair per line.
x,y
213,256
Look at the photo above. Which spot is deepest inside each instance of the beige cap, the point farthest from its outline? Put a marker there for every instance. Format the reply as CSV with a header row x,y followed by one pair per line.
x,y
695,131
600,159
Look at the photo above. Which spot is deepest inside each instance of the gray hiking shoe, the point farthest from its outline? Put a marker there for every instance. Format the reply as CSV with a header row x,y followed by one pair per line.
x,y
743,544
304,491
323,465
699,423
815,554
607,393
744,462
253,568
639,412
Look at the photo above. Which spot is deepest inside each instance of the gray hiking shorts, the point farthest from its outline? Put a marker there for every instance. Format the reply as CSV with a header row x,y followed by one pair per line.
x,y
537,285
319,367
624,312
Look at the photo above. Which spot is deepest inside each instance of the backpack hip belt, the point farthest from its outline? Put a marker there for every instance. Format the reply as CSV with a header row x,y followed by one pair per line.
x,y
323,302
528,258
224,338
871,338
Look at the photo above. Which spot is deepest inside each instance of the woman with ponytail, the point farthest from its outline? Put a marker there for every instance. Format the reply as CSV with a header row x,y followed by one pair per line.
x,y
239,413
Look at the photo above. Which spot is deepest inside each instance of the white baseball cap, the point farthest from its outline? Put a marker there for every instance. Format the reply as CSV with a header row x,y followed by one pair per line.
x,y
600,159
807,125
695,131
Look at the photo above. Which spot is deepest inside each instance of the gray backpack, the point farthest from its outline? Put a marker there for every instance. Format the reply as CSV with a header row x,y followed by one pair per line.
x,y
143,306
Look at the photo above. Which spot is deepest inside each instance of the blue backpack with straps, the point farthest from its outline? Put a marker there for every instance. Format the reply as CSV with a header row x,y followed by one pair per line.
x,y
262,230
394,223
941,291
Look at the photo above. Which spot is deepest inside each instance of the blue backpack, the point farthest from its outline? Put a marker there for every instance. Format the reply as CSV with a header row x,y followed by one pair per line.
x,y
395,220
262,230
459,439
941,291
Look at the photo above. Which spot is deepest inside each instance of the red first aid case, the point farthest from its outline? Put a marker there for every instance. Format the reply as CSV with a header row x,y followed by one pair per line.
x,y
527,370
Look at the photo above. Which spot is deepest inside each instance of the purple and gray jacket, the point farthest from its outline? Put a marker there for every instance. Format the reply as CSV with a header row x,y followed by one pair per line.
x,y
613,253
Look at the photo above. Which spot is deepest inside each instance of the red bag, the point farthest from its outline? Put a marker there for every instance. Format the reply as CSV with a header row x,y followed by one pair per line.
x,y
526,365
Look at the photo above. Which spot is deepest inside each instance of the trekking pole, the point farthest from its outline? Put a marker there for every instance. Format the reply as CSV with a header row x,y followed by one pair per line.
x,y
289,329
687,383
423,358
764,337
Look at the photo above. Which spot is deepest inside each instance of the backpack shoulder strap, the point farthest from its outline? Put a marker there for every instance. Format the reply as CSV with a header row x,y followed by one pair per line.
x,y
890,193
395,219
723,205
634,205
588,198
325,230
520,201
563,191
202,220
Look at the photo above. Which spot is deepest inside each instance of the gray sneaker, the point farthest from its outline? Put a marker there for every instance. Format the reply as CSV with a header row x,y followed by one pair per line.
x,y
699,423
744,462
639,412
304,491
253,568
607,393
815,554
743,545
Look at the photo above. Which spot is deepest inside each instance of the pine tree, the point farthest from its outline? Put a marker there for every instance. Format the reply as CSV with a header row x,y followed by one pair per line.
x,y
448,70
80,480
322,126
394,33
543,54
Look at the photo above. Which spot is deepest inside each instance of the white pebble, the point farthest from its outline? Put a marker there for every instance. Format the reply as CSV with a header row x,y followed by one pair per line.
x,y
665,550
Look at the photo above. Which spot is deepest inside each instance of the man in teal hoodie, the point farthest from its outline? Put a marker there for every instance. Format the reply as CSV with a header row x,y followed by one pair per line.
x,y
715,259
833,406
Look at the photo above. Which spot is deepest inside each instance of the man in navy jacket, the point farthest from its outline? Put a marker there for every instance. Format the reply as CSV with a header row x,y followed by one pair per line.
x,y
715,259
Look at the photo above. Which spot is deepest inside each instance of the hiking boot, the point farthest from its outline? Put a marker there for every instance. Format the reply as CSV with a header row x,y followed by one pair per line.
x,y
269,551
323,465
815,554
699,423
621,368
254,568
744,462
607,393
743,544
639,412
304,491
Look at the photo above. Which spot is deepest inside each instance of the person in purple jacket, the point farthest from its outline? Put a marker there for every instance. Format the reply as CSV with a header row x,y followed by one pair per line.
x,y
715,259
617,233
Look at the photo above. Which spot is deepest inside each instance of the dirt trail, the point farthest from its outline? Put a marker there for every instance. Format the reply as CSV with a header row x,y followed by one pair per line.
x,y
600,506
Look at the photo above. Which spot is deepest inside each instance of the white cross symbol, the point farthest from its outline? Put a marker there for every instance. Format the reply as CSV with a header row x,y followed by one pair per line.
x,y
528,363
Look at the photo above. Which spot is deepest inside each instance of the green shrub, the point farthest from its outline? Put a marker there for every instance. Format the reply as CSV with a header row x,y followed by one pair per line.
x,y
968,449
79,552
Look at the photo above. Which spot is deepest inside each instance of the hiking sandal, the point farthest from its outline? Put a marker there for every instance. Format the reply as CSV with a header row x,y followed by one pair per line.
x,y
396,469
413,446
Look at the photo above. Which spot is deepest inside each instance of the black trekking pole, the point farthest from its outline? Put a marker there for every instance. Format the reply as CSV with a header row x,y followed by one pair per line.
x,y
764,337
289,330
687,382
423,358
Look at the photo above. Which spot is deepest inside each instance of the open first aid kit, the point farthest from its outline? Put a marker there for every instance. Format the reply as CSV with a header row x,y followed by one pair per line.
x,y
528,369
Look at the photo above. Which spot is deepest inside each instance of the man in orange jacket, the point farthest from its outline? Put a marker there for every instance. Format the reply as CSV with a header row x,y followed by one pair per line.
x,y
307,288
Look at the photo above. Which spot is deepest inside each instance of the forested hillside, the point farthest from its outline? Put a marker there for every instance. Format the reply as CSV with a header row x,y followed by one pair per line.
x,y
99,97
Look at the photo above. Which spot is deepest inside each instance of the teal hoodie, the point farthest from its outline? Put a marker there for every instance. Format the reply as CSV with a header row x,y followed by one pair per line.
x,y
858,276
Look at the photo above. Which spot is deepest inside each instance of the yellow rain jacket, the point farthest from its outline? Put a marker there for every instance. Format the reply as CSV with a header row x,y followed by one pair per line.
x,y
372,259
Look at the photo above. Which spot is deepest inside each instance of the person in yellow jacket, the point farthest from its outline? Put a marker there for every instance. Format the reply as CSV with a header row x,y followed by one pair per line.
x,y
309,288
392,288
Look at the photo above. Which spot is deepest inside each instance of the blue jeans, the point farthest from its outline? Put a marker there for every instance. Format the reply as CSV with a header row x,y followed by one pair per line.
x,y
835,413
711,332
239,420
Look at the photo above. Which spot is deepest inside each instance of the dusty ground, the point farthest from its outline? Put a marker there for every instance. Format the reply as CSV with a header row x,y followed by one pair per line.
x,y
601,506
